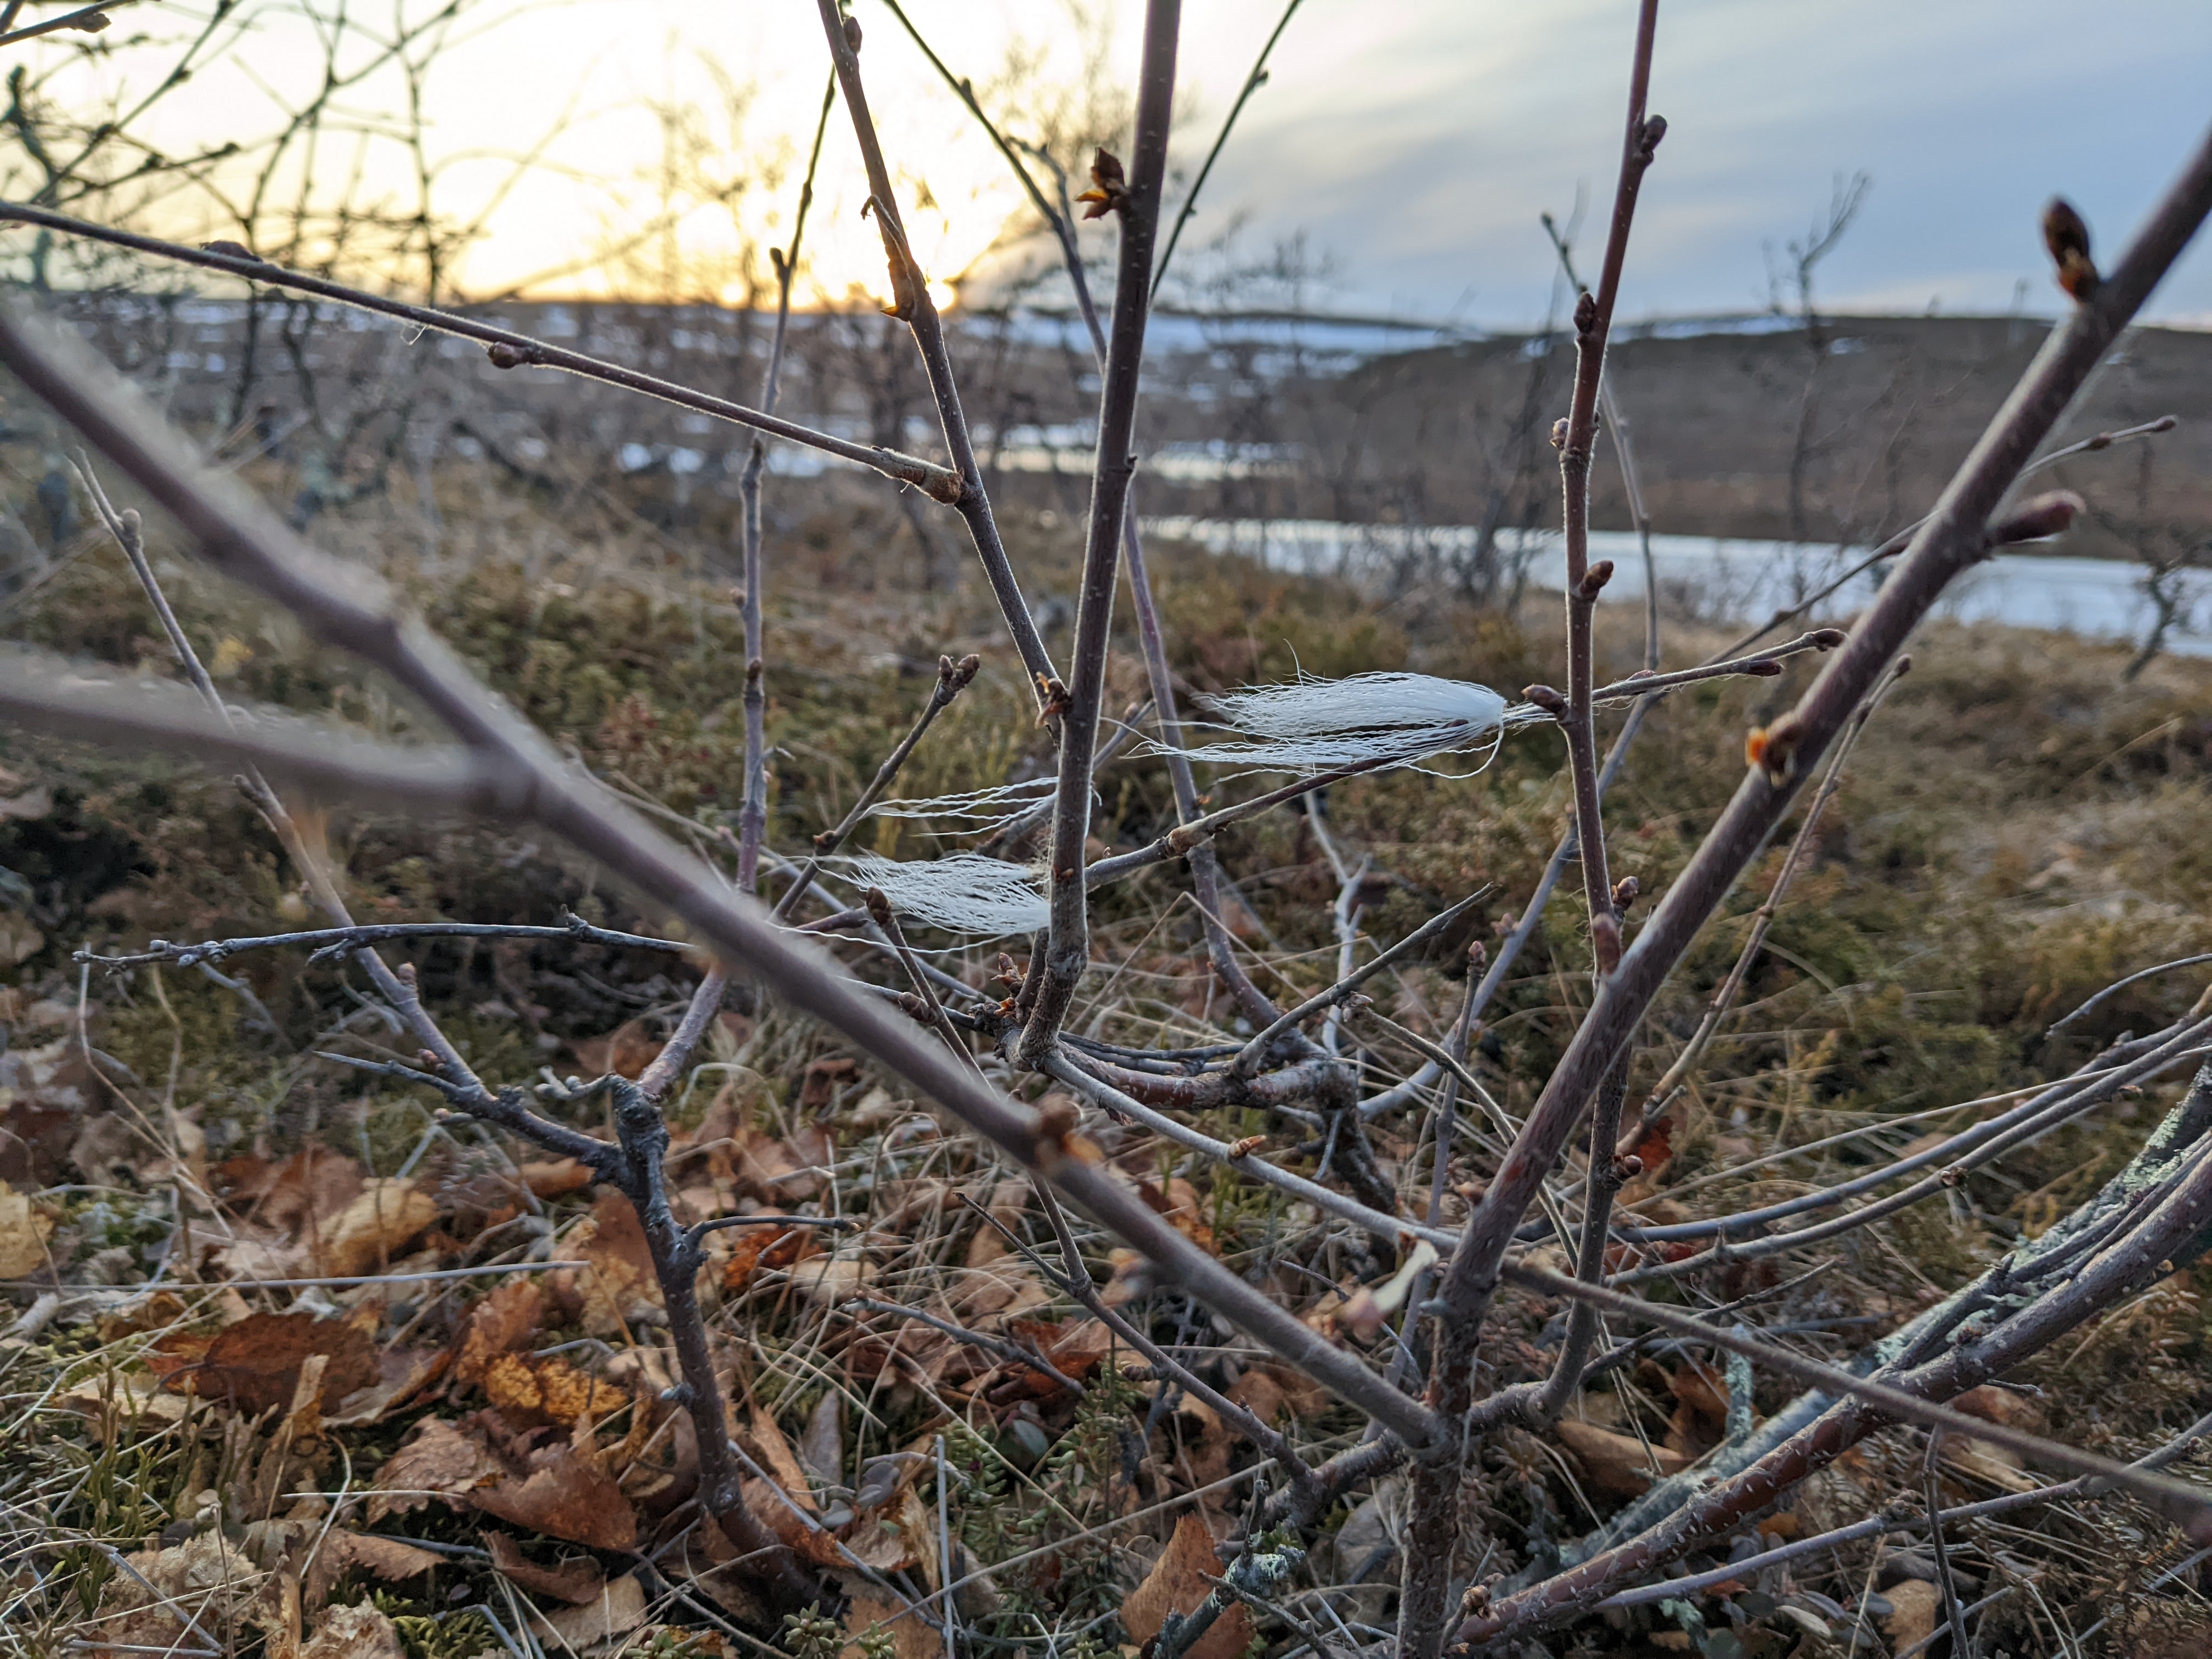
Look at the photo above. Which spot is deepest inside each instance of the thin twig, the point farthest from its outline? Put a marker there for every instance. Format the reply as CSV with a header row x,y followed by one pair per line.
x,y
538,786
911,304
953,678
2184,1505
1013,1354
508,349
1664,1091
1944,1581
1253,82
1051,983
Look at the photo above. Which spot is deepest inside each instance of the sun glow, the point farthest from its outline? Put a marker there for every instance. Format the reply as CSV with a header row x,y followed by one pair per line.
x,y
602,149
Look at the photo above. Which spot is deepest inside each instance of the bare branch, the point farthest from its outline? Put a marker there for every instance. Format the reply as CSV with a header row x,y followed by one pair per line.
x,y
245,541
507,348
911,304
1137,203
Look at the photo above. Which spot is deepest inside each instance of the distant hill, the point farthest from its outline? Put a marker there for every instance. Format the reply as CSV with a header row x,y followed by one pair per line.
x,y
1871,415
1743,427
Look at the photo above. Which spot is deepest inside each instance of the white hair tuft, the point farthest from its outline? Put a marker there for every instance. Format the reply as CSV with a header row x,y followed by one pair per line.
x,y
962,893
1314,725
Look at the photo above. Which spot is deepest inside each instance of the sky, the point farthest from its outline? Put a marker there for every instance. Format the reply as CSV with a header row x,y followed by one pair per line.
x,y
1406,149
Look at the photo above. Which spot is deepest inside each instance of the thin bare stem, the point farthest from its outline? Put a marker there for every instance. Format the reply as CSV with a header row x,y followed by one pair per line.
x,y
537,784
953,678
2186,1505
507,348
1249,1058
1253,82
1013,1354
90,19
1433,1525
1137,202
912,304
1930,1485
752,815
879,908
1956,535
1723,997
1084,1078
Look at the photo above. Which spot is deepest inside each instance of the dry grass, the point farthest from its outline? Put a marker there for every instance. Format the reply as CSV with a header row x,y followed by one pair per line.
x,y
2018,829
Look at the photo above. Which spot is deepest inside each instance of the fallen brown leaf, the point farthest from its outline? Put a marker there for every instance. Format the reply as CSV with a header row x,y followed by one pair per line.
x,y
113,1402
186,1595
499,1323
868,1609
618,1609
532,1390
401,1373
1009,1287
343,1552
760,1249
824,1078
626,1051
354,1632
563,1496
1287,1393
297,1195
774,1451
1999,1465
826,1281
1074,1347
576,1581
368,1232
1616,1463
24,1234
2002,1407
1915,1606
618,1287
437,1459
557,1178
773,1509
256,1364
897,1537
1177,1204
1177,1583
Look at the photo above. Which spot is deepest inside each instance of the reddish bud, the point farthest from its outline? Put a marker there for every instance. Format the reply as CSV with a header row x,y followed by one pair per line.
x,y
1773,749
1109,186
2038,519
2067,235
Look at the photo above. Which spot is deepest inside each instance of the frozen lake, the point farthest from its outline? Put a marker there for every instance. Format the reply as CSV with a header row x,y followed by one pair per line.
x,y
2097,599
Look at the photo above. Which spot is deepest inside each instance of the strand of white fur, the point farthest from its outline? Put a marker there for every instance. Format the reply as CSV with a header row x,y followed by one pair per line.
x,y
962,892
1308,726
1313,725
993,806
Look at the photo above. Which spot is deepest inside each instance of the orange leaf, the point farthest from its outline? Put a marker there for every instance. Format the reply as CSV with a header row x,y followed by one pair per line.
x,y
255,1364
1177,1583
499,1323
531,1391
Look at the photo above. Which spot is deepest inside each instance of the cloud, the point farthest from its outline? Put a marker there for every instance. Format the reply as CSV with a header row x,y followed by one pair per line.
x,y
1421,141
